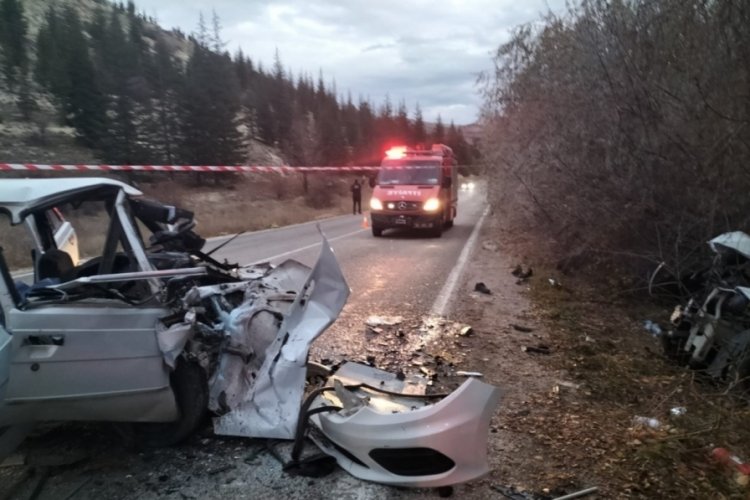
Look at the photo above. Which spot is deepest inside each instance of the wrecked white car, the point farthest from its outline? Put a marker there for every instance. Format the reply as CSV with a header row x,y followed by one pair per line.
x,y
150,332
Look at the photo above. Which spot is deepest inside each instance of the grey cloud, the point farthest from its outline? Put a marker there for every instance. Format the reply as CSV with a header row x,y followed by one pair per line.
x,y
414,51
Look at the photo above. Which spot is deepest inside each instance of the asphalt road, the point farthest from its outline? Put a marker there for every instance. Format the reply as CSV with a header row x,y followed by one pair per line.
x,y
401,273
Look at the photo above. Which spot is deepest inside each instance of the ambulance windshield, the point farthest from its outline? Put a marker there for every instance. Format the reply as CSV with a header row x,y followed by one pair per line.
x,y
408,171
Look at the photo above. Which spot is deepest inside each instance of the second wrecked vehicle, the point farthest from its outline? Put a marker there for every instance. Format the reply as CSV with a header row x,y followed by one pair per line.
x,y
153,333
711,332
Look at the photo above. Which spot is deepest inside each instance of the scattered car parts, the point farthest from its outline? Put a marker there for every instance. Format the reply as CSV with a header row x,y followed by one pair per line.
x,y
378,433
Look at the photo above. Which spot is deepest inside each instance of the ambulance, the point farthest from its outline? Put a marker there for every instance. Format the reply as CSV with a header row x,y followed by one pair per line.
x,y
415,188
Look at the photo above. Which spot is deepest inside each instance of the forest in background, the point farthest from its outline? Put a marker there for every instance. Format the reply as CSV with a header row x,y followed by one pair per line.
x,y
137,94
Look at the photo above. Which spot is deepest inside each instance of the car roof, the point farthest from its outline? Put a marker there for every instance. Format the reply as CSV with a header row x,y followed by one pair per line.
x,y
18,197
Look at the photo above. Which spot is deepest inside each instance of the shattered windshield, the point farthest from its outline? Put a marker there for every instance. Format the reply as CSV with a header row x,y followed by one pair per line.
x,y
425,172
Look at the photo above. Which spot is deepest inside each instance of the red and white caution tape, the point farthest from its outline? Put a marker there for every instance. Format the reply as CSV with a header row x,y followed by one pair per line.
x,y
35,167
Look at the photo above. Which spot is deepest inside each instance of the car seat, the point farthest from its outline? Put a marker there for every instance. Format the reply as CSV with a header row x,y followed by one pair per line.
x,y
55,263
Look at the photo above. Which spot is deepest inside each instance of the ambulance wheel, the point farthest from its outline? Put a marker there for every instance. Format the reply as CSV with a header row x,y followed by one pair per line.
x,y
377,231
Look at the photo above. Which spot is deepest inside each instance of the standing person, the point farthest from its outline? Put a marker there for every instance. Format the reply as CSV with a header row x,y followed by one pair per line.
x,y
356,189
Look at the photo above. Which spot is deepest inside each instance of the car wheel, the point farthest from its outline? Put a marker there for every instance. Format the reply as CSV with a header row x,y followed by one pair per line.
x,y
449,224
377,231
437,231
190,386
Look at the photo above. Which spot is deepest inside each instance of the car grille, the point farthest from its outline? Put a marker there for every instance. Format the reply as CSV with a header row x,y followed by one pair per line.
x,y
401,206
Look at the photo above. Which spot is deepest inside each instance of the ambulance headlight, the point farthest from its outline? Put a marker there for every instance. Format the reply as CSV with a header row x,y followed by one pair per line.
x,y
376,204
431,205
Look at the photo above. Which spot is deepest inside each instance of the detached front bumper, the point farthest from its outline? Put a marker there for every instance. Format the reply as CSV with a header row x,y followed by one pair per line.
x,y
399,439
414,220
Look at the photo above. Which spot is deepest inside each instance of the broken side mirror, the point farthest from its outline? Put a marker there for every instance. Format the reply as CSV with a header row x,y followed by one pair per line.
x,y
372,182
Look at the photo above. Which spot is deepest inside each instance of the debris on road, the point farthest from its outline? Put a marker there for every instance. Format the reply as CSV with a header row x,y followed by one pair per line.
x,y
490,246
519,272
554,283
482,288
375,321
465,331
729,459
678,411
521,328
650,422
538,349
652,328
511,493
578,494
441,445
462,373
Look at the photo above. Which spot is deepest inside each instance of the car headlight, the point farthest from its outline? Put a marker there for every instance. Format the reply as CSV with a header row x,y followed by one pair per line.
x,y
375,204
471,185
431,205
464,186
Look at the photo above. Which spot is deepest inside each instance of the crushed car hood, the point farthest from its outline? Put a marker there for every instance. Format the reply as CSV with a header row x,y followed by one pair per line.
x,y
257,381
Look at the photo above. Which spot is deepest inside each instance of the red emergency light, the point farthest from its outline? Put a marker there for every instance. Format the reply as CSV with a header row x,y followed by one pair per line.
x,y
396,152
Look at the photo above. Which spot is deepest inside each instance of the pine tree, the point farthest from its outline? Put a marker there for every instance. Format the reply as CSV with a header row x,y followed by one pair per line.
x,y
84,103
401,123
455,139
438,135
209,107
165,78
13,41
52,56
369,149
419,135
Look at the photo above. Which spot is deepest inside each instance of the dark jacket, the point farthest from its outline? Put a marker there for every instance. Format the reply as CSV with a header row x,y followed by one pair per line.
x,y
356,190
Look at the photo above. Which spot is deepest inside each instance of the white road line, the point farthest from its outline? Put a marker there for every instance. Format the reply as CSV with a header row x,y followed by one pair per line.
x,y
441,306
302,249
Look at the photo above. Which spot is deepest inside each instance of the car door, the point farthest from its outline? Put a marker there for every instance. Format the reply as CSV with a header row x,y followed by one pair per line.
x,y
88,361
83,357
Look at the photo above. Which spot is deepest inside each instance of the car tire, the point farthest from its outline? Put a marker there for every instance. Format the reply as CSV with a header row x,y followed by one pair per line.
x,y
190,386
377,231
437,231
449,224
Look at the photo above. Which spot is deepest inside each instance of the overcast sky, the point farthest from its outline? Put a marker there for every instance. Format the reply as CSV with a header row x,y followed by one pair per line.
x,y
414,50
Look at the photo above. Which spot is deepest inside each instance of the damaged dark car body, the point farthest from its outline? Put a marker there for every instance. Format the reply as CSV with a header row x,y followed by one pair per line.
x,y
711,332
